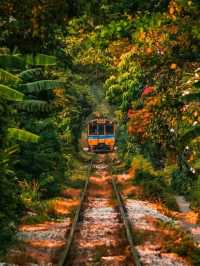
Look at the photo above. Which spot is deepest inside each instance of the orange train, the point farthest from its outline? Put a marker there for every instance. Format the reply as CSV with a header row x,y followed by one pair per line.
x,y
101,135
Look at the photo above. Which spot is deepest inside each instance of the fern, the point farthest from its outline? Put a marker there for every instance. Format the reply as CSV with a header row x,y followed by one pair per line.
x,y
10,94
31,74
42,85
40,60
22,135
8,78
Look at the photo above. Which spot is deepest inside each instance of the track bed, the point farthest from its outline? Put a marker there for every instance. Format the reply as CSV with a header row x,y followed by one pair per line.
x,y
100,237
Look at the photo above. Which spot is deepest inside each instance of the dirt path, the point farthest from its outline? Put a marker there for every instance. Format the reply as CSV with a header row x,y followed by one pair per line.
x,y
100,237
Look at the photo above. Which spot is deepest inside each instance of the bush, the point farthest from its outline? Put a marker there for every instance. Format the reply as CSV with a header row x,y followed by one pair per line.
x,y
154,186
181,182
153,189
10,204
142,166
195,194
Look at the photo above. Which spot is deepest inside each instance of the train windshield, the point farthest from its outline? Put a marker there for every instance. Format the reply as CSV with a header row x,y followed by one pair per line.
x,y
96,128
109,129
101,129
93,129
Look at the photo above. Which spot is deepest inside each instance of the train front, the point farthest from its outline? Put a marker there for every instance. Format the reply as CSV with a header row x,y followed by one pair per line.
x,y
101,135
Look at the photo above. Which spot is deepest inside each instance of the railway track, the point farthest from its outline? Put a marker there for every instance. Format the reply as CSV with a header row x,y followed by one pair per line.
x,y
101,232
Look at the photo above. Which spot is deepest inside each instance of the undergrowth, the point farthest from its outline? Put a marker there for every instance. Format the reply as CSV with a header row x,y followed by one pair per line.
x,y
154,185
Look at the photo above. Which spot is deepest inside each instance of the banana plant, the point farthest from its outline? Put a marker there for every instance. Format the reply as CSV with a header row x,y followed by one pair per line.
x,y
13,89
10,94
22,135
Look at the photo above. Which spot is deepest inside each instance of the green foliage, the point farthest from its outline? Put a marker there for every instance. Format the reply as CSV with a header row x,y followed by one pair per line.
x,y
32,74
195,194
34,106
10,62
40,60
126,44
10,94
153,182
125,86
191,97
8,78
182,182
112,31
190,135
9,197
33,26
41,85
21,135
45,121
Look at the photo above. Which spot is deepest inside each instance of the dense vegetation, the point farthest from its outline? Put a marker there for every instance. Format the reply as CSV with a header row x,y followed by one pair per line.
x,y
144,53
147,55
42,106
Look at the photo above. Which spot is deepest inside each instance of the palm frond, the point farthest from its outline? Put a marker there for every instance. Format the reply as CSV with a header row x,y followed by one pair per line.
x,y
42,85
10,94
189,136
11,62
8,78
22,135
40,60
31,74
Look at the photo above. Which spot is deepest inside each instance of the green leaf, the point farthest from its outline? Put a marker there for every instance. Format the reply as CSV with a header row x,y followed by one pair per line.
x,y
22,135
191,97
34,106
8,78
10,94
11,62
189,136
31,74
197,84
42,85
40,60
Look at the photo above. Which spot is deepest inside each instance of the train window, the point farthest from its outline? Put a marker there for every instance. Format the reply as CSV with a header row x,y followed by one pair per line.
x,y
92,129
101,129
109,129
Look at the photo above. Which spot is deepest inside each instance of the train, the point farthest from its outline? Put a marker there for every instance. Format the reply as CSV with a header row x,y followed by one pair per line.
x,y
101,135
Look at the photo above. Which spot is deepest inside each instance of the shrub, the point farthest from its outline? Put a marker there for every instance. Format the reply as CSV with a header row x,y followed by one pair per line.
x,y
180,182
195,194
142,166
153,189
154,185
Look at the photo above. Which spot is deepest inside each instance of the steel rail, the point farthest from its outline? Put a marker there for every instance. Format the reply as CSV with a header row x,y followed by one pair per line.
x,y
65,255
127,223
128,228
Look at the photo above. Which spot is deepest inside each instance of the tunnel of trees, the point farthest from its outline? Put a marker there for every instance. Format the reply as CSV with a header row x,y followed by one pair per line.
x,y
57,57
